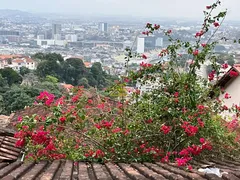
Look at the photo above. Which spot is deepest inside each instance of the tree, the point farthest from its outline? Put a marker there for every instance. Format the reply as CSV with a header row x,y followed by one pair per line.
x,y
24,70
16,99
98,74
52,68
83,82
39,55
73,70
51,79
54,57
11,76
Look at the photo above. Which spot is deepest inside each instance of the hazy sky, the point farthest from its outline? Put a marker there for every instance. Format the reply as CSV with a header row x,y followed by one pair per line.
x,y
157,8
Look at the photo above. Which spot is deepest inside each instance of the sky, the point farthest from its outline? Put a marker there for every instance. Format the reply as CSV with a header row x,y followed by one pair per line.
x,y
139,8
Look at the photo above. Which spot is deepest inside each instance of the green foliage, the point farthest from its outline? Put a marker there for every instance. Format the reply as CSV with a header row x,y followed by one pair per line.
x,y
51,79
11,76
24,70
83,82
16,99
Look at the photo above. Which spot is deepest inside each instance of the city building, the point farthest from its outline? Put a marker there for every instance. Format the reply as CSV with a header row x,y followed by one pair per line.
x,y
103,27
71,37
16,62
159,42
56,29
40,37
9,36
140,45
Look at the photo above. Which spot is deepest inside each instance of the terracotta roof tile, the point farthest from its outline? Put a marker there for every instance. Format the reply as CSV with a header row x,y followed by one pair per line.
x,y
8,151
63,170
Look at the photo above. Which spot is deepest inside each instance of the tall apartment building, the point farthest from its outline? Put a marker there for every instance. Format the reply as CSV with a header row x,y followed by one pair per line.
x,y
103,27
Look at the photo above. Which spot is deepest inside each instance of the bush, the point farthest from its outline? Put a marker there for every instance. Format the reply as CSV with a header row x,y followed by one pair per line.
x,y
176,121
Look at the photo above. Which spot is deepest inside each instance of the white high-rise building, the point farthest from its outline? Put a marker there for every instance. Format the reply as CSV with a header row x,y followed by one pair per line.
x,y
71,37
159,42
56,29
40,37
103,27
57,37
140,44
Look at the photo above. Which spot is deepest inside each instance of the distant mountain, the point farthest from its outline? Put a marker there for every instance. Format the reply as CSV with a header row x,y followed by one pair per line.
x,y
14,13
19,16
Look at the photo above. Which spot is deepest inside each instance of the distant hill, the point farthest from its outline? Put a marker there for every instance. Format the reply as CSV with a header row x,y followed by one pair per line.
x,y
17,15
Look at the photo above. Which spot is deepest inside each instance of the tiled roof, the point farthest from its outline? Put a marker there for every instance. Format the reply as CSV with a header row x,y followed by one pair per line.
x,y
28,111
4,120
8,151
68,170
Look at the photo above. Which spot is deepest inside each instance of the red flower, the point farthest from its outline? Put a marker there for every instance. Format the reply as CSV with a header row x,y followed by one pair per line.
x,y
145,65
200,107
189,129
225,66
117,130
211,75
189,168
225,108
126,80
195,53
101,106
233,73
149,121
216,24
203,45
227,96
156,27
90,101
20,143
199,34
165,129
99,153
75,98
144,56
183,161
169,31
202,140
107,124
62,119
145,33
184,152
176,94
20,118
200,122
98,126
165,159
208,7
126,132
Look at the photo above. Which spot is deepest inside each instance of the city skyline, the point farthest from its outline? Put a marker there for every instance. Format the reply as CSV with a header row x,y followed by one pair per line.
x,y
152,8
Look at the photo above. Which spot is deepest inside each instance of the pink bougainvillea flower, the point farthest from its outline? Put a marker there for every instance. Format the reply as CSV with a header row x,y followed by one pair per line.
x,y
203,45
208,7
117,130
227,96
233,73
196,52
202,140
165,129
199,34
62,119
144,56
169,31
224,66
216,24
176,94
149,121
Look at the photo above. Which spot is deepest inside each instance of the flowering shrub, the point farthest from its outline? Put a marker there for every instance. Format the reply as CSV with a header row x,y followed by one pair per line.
x,y
177,121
